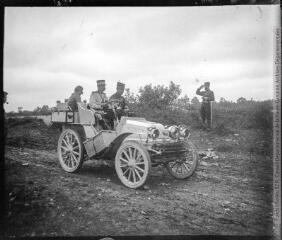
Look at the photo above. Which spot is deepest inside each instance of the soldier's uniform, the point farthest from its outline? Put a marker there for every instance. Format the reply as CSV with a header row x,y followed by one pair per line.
x,y
120,100
97,102
75,98
97,98
208,97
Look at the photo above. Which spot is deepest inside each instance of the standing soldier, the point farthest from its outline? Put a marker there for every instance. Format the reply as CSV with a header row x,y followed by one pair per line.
x,y
122,108
206,110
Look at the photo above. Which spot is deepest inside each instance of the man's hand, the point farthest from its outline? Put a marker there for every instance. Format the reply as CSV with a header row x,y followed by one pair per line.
x,y
104,104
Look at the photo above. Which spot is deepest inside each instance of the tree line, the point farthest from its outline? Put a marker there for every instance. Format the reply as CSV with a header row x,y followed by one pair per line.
x,y
163,104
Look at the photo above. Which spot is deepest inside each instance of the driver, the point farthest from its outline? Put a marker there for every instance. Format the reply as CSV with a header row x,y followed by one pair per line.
x,y
99,102
121,107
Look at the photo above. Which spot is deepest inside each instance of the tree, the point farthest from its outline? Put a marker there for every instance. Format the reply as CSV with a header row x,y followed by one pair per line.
x,y
37,110
195,101
241,100
222,100
159,96
184,102
45,109
130,97
42,110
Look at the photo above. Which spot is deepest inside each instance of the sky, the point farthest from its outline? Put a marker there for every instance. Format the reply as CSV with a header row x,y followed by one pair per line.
x,y
49,51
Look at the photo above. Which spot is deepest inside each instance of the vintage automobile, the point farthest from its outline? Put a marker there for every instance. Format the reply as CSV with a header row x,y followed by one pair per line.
x,y
133,146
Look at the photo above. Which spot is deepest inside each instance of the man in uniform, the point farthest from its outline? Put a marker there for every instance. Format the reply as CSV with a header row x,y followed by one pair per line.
x,y
99,102
122,108
75,98
98,99
208,97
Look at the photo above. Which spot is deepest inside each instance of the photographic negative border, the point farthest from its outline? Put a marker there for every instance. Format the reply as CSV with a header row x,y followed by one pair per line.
x,y
277,135
277,94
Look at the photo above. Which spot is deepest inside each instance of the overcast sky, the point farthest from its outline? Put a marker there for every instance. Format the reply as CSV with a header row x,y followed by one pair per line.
x,y
48,51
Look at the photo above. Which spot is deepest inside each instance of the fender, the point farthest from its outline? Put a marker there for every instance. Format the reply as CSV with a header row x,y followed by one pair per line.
x,y
110,153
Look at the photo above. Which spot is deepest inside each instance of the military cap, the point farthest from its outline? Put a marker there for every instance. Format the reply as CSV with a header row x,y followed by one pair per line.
x,y
5,93
207,83
119,84
100,82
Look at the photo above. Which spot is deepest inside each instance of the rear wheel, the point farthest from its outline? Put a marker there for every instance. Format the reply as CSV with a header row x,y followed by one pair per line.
x,y
70,150
184,167
132,164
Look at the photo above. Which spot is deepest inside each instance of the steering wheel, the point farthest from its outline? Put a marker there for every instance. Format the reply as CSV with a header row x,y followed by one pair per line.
x,y
114,104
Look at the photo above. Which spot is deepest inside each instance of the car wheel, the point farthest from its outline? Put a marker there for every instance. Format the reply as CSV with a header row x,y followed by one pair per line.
x,y
70,150
185,167
132,164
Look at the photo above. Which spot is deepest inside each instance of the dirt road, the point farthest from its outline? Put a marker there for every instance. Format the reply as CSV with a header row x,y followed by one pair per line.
x,y
231,195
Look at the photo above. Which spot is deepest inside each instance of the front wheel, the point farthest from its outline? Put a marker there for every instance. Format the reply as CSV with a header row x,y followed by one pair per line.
x,y
132,164
186,166
70,151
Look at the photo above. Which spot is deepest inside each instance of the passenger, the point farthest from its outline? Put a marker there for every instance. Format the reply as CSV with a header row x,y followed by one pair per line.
x,y
98,99
99,102
122,108
75,98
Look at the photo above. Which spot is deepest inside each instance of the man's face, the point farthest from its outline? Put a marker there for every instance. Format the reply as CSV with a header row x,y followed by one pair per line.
x,y
101,87
5,98
120,90
80,92
207,86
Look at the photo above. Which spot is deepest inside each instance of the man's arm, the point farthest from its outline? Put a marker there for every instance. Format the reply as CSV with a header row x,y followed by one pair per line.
x,y
124,104
198,92
112,97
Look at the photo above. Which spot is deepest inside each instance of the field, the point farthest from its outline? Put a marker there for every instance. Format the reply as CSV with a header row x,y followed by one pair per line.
x,y
228,195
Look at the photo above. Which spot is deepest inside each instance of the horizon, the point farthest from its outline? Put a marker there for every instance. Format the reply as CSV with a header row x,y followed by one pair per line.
x,y
198,97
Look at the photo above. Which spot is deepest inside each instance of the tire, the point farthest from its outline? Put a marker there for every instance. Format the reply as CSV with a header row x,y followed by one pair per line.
x,y
132,164
189,163
70,150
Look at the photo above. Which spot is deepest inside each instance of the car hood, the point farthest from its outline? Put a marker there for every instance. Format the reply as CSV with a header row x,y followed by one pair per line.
x,y
139,126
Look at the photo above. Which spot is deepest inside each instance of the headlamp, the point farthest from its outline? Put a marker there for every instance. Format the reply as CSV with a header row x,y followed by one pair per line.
x,y
184,132
156,133
153,132
173,131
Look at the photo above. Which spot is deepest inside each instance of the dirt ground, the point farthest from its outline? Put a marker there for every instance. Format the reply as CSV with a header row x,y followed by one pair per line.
x,y
228,195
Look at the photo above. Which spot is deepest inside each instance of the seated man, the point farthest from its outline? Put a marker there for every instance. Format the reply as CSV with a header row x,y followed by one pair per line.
x,y
99,102
75,98
121,107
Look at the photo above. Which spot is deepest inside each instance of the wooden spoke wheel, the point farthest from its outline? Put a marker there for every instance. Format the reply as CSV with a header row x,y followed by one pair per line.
x,y
70,151
185,167
132,164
